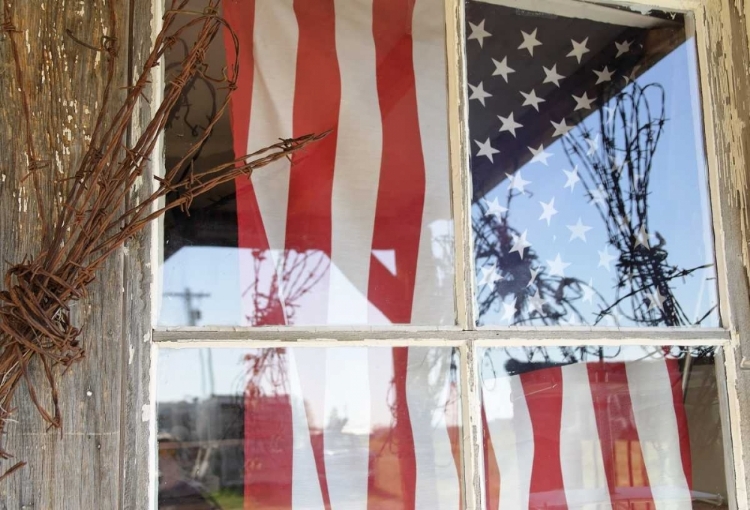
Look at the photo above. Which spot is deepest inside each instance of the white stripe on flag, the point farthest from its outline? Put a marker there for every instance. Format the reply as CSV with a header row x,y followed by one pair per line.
x,y
433,292
512,439
580,449
357,168
655,419
305,481
347,389
437,484
275,50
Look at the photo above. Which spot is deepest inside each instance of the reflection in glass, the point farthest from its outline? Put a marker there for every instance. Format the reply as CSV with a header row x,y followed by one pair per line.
x,y
355,230
285,428
602,427
590,195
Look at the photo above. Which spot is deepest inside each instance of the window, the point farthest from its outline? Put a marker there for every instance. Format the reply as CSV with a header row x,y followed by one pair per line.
x,y
493,285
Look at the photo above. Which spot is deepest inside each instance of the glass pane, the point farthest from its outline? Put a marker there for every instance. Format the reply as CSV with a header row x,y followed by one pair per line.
x,y
356,229
627,427
590,201
342,427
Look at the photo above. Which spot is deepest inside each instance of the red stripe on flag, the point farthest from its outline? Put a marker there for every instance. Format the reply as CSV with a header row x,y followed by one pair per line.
x,y
317,96
251,232
675,380
543,390
402,442
401,189
618,434
491,469
269,444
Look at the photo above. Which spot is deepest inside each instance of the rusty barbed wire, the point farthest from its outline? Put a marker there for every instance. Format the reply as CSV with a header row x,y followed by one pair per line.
x,y
90,225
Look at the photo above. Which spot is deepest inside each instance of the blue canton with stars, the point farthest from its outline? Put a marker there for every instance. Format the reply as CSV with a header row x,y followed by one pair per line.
x,y
589,188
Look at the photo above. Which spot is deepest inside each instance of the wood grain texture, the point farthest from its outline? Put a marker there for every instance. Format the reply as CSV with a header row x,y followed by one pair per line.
x,y
101,460
136,345
77,467
724,52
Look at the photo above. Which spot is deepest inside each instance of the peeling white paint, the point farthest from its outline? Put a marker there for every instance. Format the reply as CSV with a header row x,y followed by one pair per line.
x,y
145,412
131,353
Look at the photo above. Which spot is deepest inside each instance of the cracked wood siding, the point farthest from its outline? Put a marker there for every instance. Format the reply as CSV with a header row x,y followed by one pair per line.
x,y
135,462
78,468
724,52
102,459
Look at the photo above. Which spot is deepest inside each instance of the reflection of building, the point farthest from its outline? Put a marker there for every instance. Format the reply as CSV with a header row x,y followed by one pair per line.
x,y
208,436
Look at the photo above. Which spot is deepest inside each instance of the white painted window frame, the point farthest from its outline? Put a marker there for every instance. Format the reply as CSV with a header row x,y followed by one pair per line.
x,y
465,335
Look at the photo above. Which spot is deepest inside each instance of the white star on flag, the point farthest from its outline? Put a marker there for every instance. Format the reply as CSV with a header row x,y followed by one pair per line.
x,y
502,69
622,48
656,300
623,222
552,76
579,48
617,164
582,103
561,128
486,149
517,182
641,238
610,111
534,273
548,210
531,99
593,144
540,156
509,124
519,244
598,196
529,42
572,178
537,303
572,321
588,291
605,258
509,310
490,275
494,208
578,231
478,33
614,317
603,75
557,266
632,76
479,93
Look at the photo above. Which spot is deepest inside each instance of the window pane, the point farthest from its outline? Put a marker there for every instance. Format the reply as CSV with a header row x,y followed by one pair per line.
x,y
356,229
590,201
343,427
632,427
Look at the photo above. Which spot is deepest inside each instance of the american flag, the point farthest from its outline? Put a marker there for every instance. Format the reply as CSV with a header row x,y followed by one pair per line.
x,y
600,435
353,428
358,229
380,428
588,176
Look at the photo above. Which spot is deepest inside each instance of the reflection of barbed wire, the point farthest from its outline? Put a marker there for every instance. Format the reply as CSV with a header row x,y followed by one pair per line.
x,y
291,277
617,176
554,297
266,371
